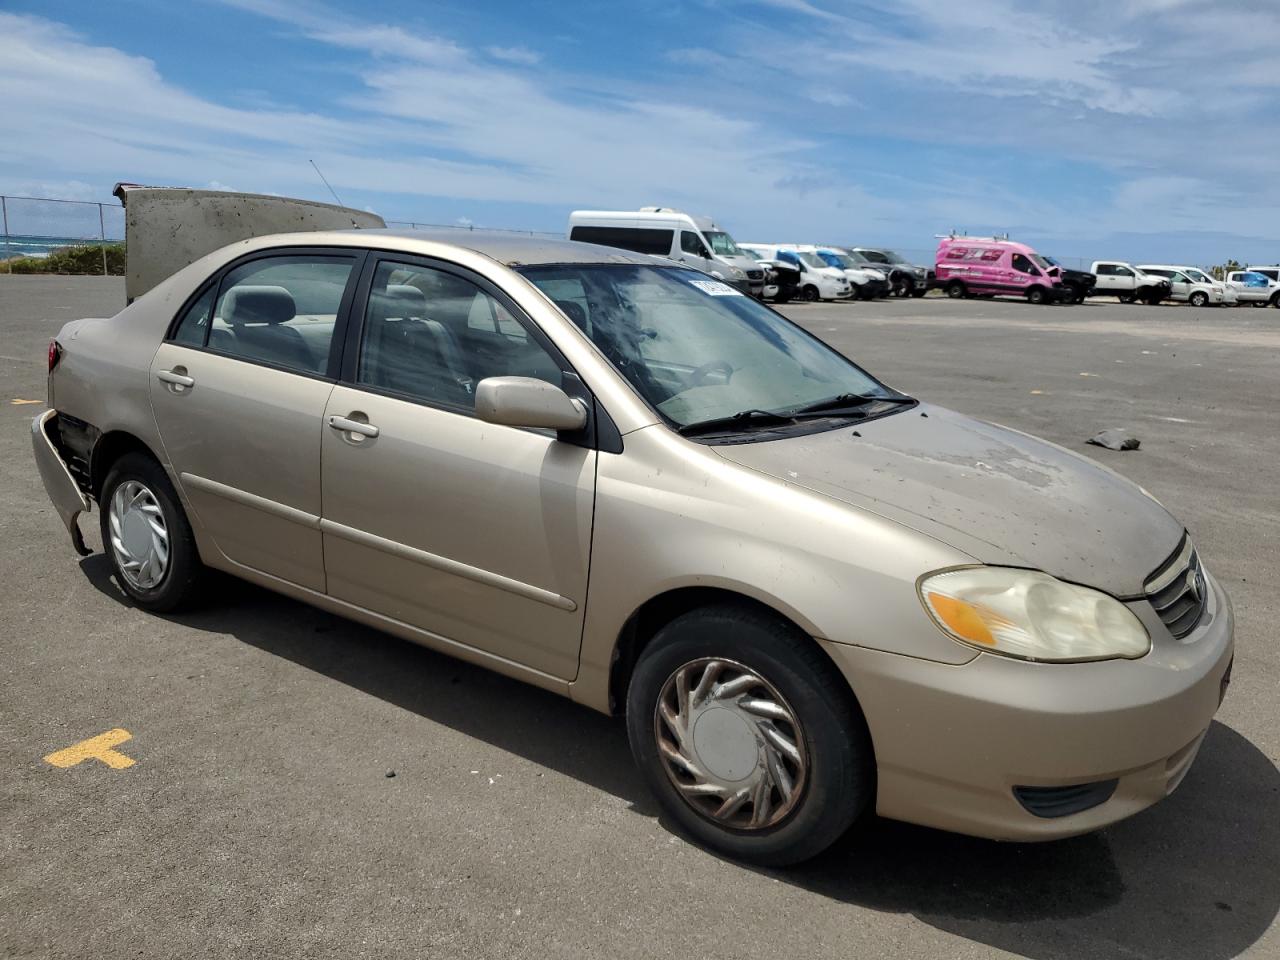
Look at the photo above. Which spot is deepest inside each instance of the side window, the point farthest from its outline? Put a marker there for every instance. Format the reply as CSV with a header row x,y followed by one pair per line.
x,y
692,243
655,242
193,328
1021,263
1106,270
281,311
432,335
1122,271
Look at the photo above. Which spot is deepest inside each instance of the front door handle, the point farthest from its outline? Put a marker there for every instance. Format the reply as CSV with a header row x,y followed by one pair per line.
x,y
174,378
343,425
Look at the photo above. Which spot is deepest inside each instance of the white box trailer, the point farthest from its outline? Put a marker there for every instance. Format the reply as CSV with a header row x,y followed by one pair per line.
x,y
166,228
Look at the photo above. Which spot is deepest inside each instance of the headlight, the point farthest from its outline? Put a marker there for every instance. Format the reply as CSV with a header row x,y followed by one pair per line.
x,y
1032,616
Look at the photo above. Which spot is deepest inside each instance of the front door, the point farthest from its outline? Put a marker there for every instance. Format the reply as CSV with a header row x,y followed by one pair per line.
x,y
238,391
477,533
695,253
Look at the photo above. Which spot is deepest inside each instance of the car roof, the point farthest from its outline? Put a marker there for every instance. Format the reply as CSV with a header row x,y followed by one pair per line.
x,y
516,249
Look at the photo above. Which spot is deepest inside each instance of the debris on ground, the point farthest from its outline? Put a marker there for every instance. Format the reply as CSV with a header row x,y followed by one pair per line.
x,y
1115,439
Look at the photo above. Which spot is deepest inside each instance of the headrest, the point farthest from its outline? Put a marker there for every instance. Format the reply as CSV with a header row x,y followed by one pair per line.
x,y
249,304
408,298
574,312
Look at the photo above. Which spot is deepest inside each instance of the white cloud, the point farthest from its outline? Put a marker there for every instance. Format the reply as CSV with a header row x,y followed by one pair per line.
x,y
520,55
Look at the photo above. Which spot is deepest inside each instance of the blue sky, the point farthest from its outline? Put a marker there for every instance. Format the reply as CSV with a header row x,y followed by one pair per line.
x,y
1126,128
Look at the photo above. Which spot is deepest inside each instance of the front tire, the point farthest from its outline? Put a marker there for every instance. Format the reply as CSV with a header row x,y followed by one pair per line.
x,y
956,290
810,294
1036,295
748,736
1198,299
146,535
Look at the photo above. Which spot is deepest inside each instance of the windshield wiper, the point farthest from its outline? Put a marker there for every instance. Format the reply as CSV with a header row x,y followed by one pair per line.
x,y
841,402
735,421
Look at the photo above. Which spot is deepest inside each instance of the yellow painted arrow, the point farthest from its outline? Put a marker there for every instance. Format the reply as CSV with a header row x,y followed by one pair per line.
x,y
100,747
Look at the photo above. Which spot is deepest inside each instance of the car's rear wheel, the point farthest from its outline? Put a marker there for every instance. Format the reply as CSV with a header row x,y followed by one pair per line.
x,y
749,736
955,290
1199,298
146,535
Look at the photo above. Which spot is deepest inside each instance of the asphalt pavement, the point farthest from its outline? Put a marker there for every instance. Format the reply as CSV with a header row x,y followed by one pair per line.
x,y
260,816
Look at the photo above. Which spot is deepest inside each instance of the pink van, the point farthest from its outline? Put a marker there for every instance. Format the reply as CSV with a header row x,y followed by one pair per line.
x,y
987,266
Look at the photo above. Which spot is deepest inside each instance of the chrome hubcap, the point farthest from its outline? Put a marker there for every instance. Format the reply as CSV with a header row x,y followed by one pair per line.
x,y
731,744
139,537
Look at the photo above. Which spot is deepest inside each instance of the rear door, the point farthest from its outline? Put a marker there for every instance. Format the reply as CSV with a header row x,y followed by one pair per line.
x,y
477,533
238,390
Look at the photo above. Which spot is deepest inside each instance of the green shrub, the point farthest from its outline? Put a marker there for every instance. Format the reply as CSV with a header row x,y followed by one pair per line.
x,y
82,258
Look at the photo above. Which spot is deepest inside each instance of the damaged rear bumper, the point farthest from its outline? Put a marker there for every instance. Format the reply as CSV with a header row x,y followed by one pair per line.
x,y
61,487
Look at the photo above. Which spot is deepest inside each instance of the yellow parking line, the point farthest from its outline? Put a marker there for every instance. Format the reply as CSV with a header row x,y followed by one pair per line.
x,y
95,748
17,402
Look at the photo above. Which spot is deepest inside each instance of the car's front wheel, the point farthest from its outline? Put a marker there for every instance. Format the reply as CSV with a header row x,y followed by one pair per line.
x,y
146,535
1199,298
749,736
811,294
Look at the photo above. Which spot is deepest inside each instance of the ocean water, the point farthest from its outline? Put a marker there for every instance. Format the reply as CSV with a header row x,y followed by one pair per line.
x,y
19,245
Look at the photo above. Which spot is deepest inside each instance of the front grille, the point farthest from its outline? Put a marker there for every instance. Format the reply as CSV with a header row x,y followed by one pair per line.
x,y
755,274
1178,591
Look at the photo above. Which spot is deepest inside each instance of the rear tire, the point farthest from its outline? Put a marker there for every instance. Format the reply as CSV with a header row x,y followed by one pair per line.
x,y
148,506
956,290
830,772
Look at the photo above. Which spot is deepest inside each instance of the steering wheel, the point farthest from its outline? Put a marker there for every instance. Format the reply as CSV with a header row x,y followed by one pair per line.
x,y
699,376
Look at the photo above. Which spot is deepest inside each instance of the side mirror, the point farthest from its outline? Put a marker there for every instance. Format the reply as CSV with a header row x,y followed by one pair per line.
x,y
528,402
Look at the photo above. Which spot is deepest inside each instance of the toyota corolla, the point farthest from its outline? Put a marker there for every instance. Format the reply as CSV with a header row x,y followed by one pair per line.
x,y
810,594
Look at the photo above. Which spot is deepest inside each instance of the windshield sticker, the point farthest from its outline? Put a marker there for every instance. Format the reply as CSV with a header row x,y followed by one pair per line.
x,y
715,288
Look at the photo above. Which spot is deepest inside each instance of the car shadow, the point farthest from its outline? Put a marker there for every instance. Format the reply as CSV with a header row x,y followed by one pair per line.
x,y
1194,878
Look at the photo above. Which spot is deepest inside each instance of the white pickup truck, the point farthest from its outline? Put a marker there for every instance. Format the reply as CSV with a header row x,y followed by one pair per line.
x,y
1116,278
1259,287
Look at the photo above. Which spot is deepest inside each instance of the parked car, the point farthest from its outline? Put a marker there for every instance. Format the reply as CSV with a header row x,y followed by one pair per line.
x,y
1271,273
1185,288
904,277
1254,286
868,282
623,481
1077,284
664,232
817,280
1116,278
991,266
781,280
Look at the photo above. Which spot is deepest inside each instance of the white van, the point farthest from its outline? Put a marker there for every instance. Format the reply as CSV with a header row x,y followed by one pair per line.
x,y
1191,285
663,232
817,280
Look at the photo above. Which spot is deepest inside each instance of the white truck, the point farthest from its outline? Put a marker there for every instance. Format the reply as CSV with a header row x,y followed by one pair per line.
x,y
1116,278
1259,286
1189,285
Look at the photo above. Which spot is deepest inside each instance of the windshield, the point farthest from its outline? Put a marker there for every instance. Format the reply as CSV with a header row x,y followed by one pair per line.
x,y
879,256
1197,276
1052,261
1043,261
836,260
694,348
722,243
811,260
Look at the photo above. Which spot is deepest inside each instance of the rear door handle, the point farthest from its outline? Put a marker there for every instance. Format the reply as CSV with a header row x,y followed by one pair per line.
x,y
177,379
343,425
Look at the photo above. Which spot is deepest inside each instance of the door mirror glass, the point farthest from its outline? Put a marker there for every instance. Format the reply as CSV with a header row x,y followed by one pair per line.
x,y
526,402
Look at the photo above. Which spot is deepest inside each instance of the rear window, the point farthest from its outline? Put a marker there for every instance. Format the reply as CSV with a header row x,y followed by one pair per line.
x,y
657,242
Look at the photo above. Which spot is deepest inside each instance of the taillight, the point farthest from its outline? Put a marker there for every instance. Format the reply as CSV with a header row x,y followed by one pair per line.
x,y
55,354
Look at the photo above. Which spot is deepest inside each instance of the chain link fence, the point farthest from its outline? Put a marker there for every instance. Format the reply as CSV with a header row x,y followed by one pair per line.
x,y
43,235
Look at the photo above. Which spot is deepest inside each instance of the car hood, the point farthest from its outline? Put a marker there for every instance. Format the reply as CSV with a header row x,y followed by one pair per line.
x,y
998,495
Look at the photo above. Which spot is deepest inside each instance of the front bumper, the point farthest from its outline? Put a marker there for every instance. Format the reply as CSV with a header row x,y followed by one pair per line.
x,y
61,487
952,742
874,288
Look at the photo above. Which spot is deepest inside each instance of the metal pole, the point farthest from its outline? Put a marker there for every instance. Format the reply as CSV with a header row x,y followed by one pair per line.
x,y
102,235
4,207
